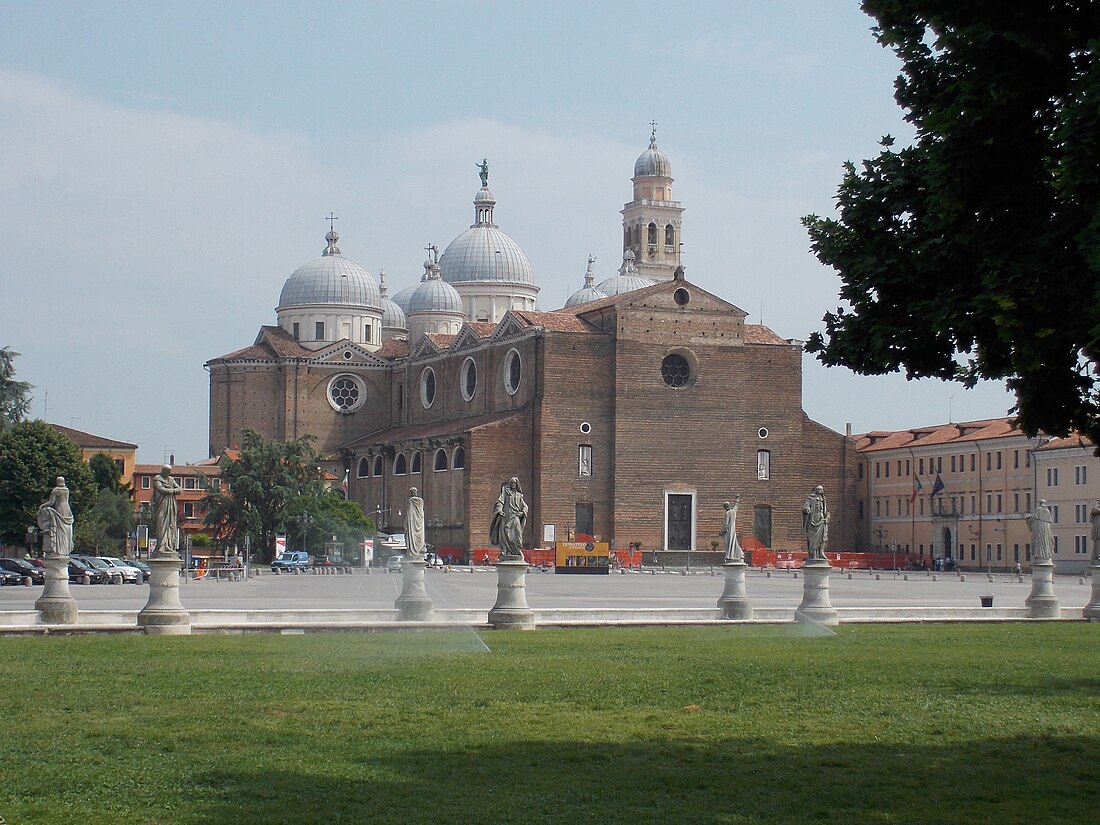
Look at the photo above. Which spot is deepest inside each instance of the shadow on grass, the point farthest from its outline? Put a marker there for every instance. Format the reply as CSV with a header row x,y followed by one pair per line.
x,y
1006,781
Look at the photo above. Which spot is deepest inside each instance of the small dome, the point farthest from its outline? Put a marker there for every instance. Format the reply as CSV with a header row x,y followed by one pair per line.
x,y
393,317
588,292
627,280
330,279
434,296
652,162
401,297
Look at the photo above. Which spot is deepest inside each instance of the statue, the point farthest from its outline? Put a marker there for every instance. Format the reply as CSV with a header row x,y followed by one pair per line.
x,y
484,167
165,492
1042,538
815,523
414,526
55,520
733,547
509,519
1095,516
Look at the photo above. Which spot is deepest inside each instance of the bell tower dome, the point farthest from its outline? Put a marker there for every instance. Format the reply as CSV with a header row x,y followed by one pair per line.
x,y
651,221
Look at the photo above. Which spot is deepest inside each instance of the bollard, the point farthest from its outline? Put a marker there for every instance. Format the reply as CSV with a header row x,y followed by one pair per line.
x,y
935,577
905,577
769,574
962,578
849,577
26,581
87,578
878,578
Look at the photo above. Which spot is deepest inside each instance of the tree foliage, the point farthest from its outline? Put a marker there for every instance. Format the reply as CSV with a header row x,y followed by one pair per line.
x,y
262,481
32,455
107,474
15,396
330,515
975,252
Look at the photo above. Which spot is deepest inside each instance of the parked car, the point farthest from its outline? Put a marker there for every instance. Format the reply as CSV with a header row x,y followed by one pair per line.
x,y
337,562
130,575
140,565
78,569
292,561
393,564
24,568
113,576
8,577
433,559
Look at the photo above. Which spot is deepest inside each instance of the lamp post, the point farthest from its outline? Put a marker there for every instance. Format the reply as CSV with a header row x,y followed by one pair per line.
x,y
306,521
32,540
436,524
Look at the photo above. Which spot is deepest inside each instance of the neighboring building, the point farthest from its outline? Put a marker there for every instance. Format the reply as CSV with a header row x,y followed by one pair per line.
x,y
196,481
1067,473
951,491
122,452
630,417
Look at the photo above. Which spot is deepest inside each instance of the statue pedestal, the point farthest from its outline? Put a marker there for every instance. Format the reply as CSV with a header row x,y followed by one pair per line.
x,y
414,604
734,601
511,611
56,605
816,606
1092,609
1042,603
163,615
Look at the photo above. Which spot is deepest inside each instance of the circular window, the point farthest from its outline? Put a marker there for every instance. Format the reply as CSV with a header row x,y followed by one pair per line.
x,y
347,393
347,355
427,387
675,370
762,432
681,296
513,371
586,428
469,378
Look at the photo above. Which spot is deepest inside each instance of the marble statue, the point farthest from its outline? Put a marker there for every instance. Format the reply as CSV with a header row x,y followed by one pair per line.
x,y
55,520
165,492
484,167
1042,538
1095,516
414,526
815,523
509,519
729,531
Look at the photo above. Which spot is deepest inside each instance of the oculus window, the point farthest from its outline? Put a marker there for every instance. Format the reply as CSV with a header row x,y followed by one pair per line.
x,y
513,371
469,378
675,370
346,393
427,387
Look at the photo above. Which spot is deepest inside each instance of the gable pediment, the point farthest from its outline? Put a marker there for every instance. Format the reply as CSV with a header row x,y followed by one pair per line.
x,y
425,348
346,354
509,327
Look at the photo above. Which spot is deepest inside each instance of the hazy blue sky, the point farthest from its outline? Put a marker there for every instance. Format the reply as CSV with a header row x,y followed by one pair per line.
x,y
164,168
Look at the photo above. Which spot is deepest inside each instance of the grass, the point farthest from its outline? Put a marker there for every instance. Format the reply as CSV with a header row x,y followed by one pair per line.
x,y
877,724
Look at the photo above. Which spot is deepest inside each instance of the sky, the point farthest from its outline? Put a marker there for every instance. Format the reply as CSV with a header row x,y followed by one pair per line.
x,y
165,167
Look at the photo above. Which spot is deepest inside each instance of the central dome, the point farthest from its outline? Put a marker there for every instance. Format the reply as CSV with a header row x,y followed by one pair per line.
x,y
332,280
484,253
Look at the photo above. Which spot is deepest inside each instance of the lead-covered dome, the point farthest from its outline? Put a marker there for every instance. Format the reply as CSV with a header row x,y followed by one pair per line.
x,y
483,253
652,162
331,280
627,280
588,292
393,315
434,295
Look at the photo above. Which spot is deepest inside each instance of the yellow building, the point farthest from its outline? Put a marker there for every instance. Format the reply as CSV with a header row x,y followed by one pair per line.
x,y
123,453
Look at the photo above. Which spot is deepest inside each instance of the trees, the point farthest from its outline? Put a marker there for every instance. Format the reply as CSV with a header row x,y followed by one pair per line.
x,y
15,396
975,252
266,477
329,515
32,455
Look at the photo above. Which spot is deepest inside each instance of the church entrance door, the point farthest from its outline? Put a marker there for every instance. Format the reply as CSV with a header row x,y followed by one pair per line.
x,y
679,522
583,511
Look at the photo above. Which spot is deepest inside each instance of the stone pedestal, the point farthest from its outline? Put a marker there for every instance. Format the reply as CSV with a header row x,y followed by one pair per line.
x,y
734,601
1042,603
413,605
511,611
163,615
1092,609
816,606
56,605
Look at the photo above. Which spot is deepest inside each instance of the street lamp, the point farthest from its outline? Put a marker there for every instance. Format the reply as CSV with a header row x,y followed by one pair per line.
x,y
436,523
306,521
32,540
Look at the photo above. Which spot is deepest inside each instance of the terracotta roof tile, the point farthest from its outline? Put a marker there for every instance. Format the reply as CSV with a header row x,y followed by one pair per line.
x,y
482,329
283,342
91,442
394,348
760,334
603,303
962,432
441,340
555,321
208,470
1070,441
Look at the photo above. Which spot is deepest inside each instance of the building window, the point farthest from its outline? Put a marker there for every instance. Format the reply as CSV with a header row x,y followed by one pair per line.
x,y
859,509
145,482
939,464
1054,513
887,468
670,235
907,467
859,470
377,470
878,470
367,334
513,371
1052,476
319,331
1015,459
998,459
346,393
427,387
440,460
188,509
973,457
216,483
469,378
189,483
400,465
585,459
362,469
952,463
1080,474
459,460
415,466
295,331
763,464
651,234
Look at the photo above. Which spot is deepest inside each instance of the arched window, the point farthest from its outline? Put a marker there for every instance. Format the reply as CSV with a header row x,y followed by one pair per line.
x,y
416,462
653,234
363,469
513,371
400,466
670,235
377,466
440,460
626,236
459,460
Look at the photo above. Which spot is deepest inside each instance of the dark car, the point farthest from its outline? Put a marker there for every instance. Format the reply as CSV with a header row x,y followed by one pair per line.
x,y
113,576
24,568
78,569
336,562
140,565
7,577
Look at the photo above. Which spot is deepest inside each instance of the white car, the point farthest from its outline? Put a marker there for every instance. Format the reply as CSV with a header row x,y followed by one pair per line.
x,y
393,564
130,574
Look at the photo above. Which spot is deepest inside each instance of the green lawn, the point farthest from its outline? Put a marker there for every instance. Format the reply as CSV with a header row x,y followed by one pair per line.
x,y
876,724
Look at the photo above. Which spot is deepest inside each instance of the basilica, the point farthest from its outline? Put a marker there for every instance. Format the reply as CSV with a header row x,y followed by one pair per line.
x,y
630,415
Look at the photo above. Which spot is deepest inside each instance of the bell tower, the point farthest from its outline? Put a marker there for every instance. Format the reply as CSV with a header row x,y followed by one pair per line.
x,y
651,221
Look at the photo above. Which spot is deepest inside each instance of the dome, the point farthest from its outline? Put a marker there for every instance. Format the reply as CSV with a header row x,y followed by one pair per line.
x,y
652,162
588,292
434,295
401,297
393,317
627,280
331,279
484,254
